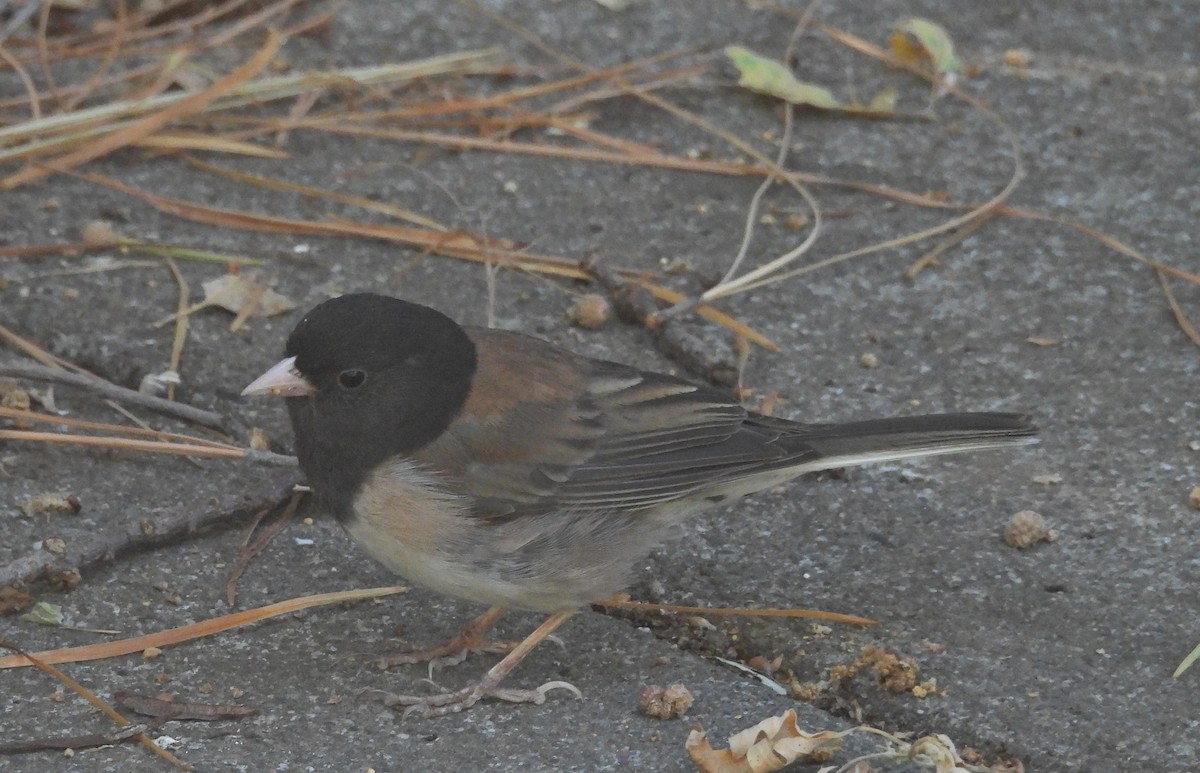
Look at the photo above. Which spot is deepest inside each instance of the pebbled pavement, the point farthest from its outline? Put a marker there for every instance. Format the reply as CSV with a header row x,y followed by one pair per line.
x,y
1059,655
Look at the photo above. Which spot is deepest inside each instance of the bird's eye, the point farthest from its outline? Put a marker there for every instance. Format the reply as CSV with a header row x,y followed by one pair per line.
x,y
352,379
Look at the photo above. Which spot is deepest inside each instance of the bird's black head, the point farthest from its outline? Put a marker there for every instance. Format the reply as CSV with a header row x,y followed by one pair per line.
x,y
387,377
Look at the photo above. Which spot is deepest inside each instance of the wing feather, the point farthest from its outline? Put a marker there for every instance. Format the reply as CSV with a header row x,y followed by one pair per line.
x,y
604,436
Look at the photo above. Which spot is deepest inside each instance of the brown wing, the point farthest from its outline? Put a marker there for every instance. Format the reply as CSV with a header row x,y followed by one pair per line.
x,y
569,432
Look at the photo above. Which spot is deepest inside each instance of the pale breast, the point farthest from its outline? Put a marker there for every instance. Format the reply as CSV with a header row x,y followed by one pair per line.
x,y
405,519
410,524
556,561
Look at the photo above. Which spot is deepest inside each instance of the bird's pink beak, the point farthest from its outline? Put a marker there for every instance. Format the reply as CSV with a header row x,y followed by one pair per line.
x,y
282,380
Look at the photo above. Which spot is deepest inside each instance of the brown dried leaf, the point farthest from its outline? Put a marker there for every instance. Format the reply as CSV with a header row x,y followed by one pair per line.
x,y
939,750
233,292
772,744
13,600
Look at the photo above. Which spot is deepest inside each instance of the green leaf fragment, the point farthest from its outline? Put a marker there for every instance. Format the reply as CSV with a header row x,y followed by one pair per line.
x,y
767,76
771,77
44,613
936,42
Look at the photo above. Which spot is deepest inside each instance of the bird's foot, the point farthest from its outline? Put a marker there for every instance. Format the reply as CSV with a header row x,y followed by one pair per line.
x,y
489,685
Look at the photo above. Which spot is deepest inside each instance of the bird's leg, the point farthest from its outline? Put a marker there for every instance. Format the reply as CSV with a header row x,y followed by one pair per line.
x,y
489,685
456,649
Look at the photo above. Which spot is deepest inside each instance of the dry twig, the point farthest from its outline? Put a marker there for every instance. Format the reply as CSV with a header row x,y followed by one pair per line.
x,y
110,543
104,388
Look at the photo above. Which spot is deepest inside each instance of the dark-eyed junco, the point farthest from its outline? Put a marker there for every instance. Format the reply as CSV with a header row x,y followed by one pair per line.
x,y
502,469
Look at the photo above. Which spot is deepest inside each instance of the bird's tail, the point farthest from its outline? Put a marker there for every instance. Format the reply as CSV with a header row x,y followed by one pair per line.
x,y
881,440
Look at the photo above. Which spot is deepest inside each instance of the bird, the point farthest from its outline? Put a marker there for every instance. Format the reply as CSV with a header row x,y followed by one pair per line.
x,y
497,467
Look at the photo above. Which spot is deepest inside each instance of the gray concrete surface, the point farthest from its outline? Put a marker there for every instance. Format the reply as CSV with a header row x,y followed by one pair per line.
x,y
1060,655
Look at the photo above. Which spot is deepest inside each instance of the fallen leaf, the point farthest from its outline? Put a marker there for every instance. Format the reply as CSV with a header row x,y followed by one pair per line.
x,y
919,40
772,744
13,600
233,291
768,76
44,613
939,750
